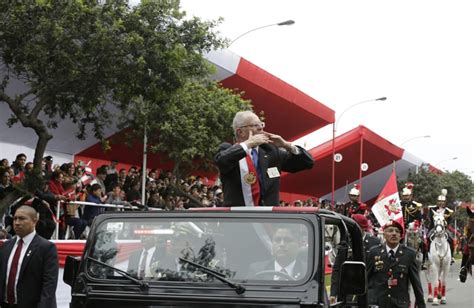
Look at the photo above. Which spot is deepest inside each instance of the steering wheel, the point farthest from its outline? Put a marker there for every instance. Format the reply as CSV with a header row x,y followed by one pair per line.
x,y
273,272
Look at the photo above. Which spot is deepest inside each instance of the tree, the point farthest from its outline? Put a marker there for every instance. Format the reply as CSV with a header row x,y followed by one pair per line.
x,y
78,58
167,91
428,186
194,124
459,185
66,55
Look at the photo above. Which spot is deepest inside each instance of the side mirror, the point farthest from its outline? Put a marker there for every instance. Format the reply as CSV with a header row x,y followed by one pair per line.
x,y
70,269
353,278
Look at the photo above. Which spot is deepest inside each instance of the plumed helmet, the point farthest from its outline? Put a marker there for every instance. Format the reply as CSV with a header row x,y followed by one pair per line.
x,y
408,189
355,191
442,197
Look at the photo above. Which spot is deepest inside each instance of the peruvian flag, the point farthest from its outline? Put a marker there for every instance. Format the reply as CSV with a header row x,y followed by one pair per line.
x,y
388,207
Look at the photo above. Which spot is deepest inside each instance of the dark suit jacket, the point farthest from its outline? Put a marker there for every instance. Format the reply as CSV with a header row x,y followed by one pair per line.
x,y
299,270
227,160
404,270
134,261
38,277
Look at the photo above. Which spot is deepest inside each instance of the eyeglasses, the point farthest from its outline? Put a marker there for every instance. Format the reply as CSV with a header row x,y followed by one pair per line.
x,y
256,126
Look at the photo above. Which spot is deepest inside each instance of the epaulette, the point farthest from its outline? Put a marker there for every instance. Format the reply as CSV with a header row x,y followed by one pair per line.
x,y
432,206
418,204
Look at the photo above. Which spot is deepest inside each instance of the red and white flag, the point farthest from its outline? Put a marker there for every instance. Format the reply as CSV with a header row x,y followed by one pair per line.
x,y
387,206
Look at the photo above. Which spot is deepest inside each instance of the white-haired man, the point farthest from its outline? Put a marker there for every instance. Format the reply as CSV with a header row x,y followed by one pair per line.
x,y
250,168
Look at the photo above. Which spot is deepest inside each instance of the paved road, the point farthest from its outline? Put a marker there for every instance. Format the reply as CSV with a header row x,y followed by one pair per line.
x,y
458,294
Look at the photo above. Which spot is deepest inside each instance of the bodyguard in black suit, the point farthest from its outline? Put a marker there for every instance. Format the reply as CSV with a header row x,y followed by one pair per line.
x,y
270,155
29,265
390,266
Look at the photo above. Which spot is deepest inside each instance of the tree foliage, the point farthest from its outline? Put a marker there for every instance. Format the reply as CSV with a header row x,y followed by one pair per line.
x,y
195,123
428,186
80,59
66,54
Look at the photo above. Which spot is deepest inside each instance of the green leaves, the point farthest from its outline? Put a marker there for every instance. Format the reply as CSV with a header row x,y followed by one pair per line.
x,y
83,59
428,186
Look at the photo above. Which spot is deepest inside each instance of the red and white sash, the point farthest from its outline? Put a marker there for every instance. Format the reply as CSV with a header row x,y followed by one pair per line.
x,y
250,191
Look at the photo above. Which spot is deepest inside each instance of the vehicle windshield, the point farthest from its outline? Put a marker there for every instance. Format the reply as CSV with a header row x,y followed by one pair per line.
x,y
241,250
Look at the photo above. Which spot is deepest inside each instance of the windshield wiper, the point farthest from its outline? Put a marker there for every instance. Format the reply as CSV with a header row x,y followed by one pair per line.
x,y
239,289
143,285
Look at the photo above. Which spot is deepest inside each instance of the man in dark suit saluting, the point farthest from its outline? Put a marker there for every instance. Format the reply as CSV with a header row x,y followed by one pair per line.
x,y
29,265
250,169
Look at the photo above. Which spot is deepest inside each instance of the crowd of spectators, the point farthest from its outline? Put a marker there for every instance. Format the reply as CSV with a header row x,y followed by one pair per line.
x,y
107,185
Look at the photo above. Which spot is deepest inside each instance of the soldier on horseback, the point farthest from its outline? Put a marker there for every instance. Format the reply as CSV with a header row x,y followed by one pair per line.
x,y
354,206
412,218
440,207
468,249
411,209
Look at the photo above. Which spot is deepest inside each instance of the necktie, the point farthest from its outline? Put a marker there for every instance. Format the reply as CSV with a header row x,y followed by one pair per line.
x,y
255,157
282,277
254,154
391,255
143,264
12,275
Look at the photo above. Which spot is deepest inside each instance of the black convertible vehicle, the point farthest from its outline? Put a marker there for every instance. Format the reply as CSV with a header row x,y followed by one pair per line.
x,y
215,257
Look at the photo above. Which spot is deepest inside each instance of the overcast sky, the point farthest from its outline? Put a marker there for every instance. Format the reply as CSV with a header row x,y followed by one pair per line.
x,y
419,54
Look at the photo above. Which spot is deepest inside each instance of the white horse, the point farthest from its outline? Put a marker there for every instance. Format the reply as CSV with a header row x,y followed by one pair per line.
x,y
440,259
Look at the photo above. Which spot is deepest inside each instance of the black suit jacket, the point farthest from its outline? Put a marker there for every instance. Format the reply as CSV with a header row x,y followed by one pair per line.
x,y
134,261
227,160
404,270
38,277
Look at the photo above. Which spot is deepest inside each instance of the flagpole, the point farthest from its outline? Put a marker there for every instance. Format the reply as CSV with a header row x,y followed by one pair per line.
x,y
361,153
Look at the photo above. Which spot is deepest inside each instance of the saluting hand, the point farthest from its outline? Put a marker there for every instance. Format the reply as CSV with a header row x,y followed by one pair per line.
x,y
278,141
256,140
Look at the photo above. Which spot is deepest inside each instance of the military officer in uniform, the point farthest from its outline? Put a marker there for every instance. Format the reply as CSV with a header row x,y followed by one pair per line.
x,y
412,210
354,206
440,207
390,266
412,214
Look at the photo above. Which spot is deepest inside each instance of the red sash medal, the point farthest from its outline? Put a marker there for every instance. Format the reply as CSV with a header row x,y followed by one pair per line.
x,y
249,181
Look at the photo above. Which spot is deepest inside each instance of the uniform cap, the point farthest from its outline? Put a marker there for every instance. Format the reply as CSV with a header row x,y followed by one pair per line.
x,y
361,220
394,223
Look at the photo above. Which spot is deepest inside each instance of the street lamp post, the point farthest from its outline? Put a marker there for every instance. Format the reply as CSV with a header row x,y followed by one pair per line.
x,y
445,160
334,130
411,139
283,23
414,138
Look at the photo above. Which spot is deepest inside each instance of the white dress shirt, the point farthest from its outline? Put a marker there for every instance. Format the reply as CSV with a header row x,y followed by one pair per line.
x,y
26,243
